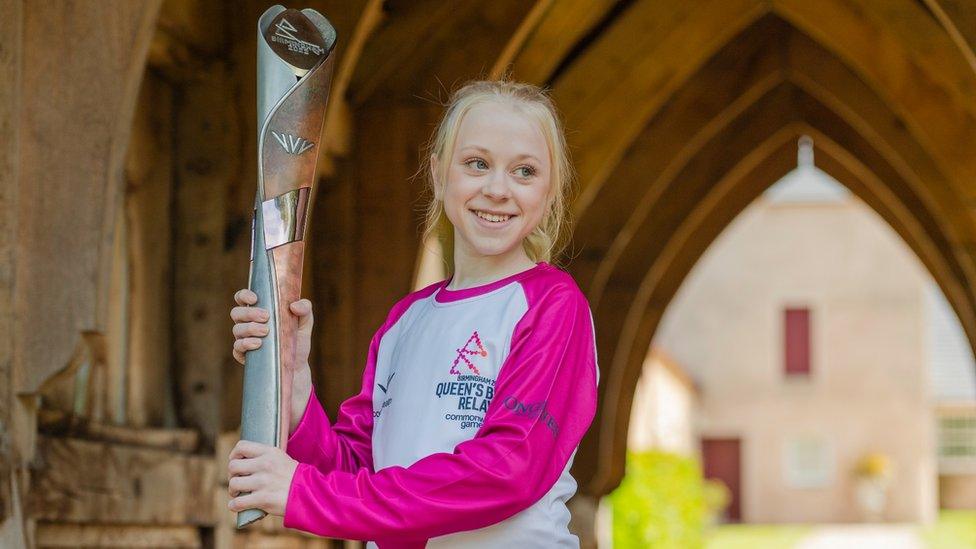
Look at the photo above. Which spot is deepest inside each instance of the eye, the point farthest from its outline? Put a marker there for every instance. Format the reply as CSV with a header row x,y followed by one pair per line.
x,y
529,171
482,162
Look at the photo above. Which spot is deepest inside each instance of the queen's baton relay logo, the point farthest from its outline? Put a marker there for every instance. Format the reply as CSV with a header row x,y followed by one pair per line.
x,y
464,352
472,391
285,34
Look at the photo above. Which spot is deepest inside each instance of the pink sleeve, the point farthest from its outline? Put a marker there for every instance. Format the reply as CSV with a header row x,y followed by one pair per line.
x,y
545,400
347,445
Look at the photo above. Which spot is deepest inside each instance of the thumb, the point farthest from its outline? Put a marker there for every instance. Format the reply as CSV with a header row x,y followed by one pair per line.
x,y
303,310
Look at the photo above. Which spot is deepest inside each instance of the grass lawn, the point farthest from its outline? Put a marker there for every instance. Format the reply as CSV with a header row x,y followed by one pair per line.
x,y
954,530
756,536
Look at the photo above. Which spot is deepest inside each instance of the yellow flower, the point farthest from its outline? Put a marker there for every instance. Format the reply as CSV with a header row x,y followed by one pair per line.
x,y
873,464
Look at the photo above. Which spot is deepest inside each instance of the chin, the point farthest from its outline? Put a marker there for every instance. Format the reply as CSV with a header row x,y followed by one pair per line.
x,y
489,249
493,250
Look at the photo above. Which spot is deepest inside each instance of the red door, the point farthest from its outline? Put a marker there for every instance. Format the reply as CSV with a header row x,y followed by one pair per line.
x,y
721,460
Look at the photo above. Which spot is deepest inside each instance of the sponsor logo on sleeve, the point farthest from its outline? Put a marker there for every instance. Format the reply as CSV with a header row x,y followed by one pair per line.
x,y
532,410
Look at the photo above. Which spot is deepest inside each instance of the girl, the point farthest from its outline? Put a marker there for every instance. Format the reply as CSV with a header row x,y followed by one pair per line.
x,y
477,389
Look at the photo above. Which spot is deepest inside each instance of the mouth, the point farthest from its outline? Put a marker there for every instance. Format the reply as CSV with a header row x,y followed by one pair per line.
x,y
492,219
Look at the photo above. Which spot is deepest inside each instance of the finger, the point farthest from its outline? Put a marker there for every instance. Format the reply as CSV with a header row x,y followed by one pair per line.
x,y
247,344
238,356
249,314
253,500
250,329
247,449
303,309
241,467
245,297
240,484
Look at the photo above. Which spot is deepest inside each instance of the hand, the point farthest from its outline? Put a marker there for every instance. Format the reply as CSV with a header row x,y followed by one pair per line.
x,y
250,326
263,473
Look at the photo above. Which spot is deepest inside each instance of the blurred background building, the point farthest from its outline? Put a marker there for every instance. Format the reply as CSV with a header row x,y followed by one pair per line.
x,y
813,337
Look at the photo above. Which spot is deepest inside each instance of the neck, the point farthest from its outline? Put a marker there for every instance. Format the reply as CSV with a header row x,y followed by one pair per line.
x,y
475,270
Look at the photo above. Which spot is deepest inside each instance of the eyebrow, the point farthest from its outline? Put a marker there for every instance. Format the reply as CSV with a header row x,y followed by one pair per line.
x,y
486,151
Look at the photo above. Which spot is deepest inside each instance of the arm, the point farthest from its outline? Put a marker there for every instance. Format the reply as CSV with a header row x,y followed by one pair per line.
x,y
347,445
545,400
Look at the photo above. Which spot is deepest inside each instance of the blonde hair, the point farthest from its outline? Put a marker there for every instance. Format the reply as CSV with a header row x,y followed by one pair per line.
x,y
550,236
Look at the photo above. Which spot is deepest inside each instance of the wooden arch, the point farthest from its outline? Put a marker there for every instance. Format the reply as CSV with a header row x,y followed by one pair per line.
x,y
863,143
614,85
693,214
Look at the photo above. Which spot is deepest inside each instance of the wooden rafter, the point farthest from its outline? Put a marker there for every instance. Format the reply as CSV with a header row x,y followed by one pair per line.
x,y
958,17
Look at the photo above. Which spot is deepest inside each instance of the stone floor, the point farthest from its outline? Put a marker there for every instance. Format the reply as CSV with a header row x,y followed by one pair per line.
x,y
863,536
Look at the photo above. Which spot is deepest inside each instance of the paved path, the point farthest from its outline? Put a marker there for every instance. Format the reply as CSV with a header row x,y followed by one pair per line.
x,y
863,536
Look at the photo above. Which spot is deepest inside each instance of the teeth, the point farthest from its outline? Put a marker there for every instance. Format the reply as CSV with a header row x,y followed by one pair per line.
x,y
492,217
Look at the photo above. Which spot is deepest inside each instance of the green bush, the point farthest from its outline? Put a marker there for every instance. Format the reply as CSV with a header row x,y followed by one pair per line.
x,y
660,504
955,529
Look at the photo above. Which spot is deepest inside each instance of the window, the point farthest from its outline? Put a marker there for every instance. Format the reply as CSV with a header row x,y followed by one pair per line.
x,y
808,462
796,324
957,440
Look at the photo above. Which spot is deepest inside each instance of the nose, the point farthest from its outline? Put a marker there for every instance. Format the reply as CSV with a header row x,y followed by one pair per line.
x,y
496,186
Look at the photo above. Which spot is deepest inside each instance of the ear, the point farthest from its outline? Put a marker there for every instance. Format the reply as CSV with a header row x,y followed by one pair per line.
x,y
438,191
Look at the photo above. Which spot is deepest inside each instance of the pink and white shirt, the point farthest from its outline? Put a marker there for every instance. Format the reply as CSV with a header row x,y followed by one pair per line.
x,y
472,407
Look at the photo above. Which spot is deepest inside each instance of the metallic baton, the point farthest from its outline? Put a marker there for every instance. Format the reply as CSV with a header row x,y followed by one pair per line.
x,y
294,73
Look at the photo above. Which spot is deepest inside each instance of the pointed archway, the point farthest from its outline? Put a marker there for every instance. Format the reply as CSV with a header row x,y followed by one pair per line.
x,y
724,136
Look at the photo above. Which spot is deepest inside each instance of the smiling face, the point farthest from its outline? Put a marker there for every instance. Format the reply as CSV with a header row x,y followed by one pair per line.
x,y
498,182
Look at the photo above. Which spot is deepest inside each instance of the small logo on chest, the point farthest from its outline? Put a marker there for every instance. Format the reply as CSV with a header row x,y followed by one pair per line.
x,y
388,380
472,391
472,348
387,401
